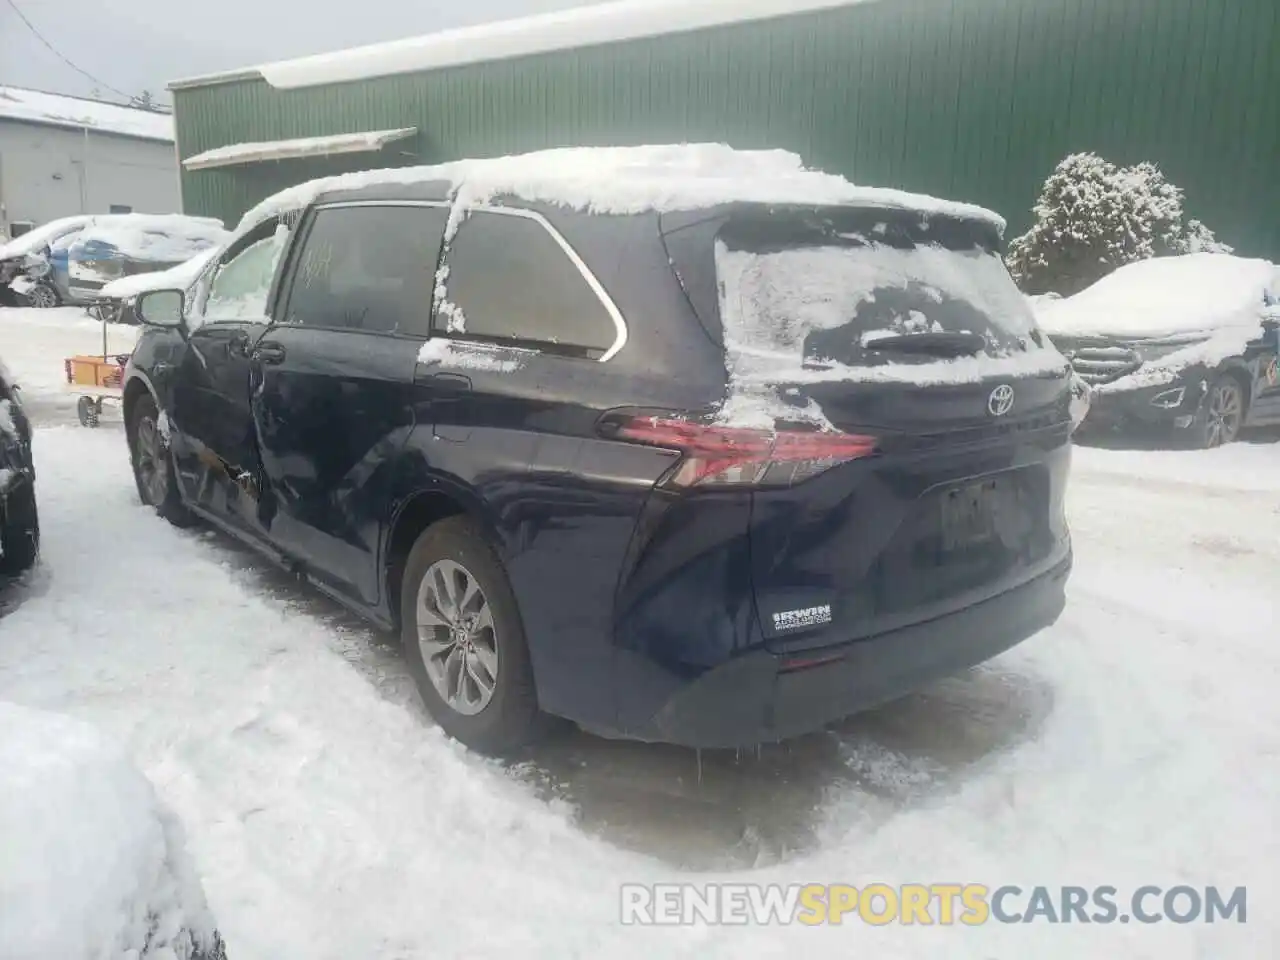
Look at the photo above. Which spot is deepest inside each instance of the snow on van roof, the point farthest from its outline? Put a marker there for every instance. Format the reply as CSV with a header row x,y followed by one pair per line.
x,y
57,110
630,180
585,26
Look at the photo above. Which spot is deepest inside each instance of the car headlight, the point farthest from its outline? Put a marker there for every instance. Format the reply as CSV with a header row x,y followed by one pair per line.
x,y
1170,399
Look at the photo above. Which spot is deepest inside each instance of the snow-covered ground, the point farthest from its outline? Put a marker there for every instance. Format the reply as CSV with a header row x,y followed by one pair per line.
x,y
89,856
1137,742
34,344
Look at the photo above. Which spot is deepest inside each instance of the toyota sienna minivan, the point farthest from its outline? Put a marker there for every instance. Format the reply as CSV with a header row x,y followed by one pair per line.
x,y
683,444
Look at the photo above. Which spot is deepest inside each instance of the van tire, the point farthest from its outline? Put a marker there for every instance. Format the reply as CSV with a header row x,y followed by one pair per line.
x,y
454,641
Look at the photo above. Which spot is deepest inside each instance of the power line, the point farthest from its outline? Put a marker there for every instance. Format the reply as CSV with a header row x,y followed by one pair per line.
x,y
58,53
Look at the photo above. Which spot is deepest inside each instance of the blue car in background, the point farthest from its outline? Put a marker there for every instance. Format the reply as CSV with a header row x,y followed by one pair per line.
x,y
124,245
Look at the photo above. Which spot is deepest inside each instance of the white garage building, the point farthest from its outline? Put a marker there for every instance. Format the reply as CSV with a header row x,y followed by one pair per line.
x,y
61,156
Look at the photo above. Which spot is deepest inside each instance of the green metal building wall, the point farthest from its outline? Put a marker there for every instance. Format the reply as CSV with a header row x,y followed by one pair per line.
x,y
970,99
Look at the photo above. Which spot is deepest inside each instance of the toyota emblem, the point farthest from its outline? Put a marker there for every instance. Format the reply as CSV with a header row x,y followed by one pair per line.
x,y
1001,400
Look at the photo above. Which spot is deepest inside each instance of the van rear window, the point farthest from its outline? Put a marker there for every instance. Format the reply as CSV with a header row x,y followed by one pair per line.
x,y
858,295
864,296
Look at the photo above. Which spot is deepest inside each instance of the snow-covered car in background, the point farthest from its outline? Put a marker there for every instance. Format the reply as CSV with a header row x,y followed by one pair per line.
x,y
92,864
24,262
19,521
1186,343
125,245
114,302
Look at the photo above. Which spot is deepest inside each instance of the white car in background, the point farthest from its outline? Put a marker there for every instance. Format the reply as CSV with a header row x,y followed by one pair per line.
x,y
92,865
126,245
114,302
1186,344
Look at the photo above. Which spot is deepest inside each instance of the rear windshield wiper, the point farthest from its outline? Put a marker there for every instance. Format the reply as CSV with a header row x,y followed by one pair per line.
x,y
931,344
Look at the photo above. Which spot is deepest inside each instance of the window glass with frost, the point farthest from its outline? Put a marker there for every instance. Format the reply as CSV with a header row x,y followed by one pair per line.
x,y
864,289
368,268
239,287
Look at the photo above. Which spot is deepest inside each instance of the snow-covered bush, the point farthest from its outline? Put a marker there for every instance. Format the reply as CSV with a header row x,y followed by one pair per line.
x,y
1093,216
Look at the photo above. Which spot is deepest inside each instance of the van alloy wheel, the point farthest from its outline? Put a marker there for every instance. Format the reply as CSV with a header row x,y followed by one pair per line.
x,y
153,468
152,462
457,637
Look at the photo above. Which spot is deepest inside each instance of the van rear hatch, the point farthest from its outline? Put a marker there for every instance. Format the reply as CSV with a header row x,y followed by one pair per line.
x,y
921,421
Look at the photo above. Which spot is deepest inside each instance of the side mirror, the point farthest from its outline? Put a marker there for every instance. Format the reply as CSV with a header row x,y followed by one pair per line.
x,y
160,308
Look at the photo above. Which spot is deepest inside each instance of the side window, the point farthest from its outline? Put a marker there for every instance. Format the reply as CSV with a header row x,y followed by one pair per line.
x,y
368,268
238,287
506,278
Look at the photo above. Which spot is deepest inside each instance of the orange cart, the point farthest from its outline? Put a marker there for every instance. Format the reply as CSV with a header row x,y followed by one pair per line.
x,y
96,378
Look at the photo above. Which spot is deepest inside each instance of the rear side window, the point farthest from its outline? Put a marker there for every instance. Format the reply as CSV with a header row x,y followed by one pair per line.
x,y
507,278
369,268
849,289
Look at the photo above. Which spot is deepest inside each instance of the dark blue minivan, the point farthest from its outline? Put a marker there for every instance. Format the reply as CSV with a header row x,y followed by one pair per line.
x,y
711,474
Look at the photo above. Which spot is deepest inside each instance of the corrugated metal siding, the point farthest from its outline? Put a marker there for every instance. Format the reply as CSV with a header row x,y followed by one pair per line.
x,y
972,99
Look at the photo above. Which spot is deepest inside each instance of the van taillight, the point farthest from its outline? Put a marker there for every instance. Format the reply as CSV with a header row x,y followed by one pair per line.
x,y
737,456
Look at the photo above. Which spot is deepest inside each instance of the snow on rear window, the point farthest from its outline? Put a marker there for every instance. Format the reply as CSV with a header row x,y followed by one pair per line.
x,y
815,313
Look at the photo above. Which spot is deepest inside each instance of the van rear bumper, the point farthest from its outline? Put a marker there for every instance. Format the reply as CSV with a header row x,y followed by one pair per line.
x,y
762,697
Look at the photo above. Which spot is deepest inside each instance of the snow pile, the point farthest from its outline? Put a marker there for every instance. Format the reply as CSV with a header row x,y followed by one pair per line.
x,y
630,180
180,277
586,25
455,319
91,866
36,240
461,355
63,111
772,303
167,238
1092,217
256,151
